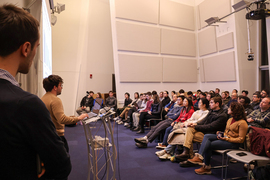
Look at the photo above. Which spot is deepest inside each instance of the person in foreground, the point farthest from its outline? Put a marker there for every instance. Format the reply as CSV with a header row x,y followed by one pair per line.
x,y
234,135
27,133
53,86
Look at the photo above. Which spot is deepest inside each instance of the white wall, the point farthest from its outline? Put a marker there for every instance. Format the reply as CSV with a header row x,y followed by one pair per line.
x,y
82,45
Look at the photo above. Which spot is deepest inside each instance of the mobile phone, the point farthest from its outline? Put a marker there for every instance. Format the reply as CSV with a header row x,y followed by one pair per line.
x,y
241,154
221,134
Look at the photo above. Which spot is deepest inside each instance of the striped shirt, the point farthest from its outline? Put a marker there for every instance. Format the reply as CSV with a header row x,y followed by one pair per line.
x,y
261,119
7,76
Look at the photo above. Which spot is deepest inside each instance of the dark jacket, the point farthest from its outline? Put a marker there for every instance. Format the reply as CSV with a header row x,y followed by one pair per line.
x,y
127,102
111,102
88,102
175,112
165,101
255,105
213,122
26,130
156,108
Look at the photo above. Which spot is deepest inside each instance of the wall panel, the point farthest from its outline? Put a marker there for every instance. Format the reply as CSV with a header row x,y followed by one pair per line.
x,y
220,68
133,37
178,43
177,15
207,41
179,70
134,68
225,42
140,10
211,8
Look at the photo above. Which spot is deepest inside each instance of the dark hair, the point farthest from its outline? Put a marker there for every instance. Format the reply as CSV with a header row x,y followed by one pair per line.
x,y
238,111
247,100
156,99
181,91
266,90
212,95
51,81
154,92
99,94
227,92
199,90
89,92
218,89
203,94
17,26
236,90
217,99
141,94
127,94
109,91
190,105
206,102
189,93
149,93
245,91
257,94
182,97
173,92
137,94
166,92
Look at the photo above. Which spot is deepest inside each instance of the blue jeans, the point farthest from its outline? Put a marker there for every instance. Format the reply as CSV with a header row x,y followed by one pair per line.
x,y
210,143
167,132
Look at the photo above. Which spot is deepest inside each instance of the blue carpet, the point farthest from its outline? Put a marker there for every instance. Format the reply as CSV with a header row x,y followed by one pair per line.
x,y
135,163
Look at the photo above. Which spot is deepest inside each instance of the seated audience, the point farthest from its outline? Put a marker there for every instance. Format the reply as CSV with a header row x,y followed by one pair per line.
x,y
177,136
217,91
155,112
225,100
234,91
233,136
86,103
111,101
189,94
233,99
182,92
245,101
170,105
214,121
209,96
126,103
124,113
244,93
154,132
166,98
228,95
264,93
256,99
185,114
260,117
97,104
172,94
202,95
194,99
161,96
134,109
134,118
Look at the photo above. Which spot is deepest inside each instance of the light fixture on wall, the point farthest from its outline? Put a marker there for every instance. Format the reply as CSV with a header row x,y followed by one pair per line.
x,y
211,20
240,5
58,8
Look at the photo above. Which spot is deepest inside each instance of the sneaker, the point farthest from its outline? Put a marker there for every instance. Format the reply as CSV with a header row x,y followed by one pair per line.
x,y
140,145
140,140
160,153
117,121
126,124
203,170
160,146
165,156
195,160
117,118
120,122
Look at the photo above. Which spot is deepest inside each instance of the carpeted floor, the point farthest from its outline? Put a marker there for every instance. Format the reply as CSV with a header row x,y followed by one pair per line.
x,y
135,163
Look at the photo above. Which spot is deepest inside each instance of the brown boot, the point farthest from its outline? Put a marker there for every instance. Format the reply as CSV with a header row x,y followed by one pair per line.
x,y
185,154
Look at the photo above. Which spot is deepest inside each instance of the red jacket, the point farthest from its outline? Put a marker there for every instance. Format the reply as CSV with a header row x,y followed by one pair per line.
x,y
185,116
148,106
259,141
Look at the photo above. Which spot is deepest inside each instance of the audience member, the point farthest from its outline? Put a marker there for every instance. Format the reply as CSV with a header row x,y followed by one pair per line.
x,y
213,122
256,99
154,132
233,136
166,98
86,103
217,91
189,94
170,105
261,117
155,112
264,93
97,104
234,91
145,106
172,94
26,129
224,98
161,96
233,99
182,92
245,101
126,103
177,136
194,99
111,101
245,93
185,114
202,95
